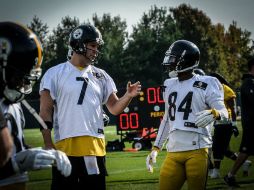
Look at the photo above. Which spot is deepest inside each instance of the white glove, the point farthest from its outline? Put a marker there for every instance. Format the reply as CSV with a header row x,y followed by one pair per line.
x,y
206,117
105,119
33,159
151,159
62,162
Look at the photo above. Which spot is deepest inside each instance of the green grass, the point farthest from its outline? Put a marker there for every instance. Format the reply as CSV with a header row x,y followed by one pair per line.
x,y
127,170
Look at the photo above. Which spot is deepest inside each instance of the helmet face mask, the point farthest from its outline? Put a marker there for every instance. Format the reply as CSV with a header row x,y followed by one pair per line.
x,y
169,64
182,56
20,61
81,36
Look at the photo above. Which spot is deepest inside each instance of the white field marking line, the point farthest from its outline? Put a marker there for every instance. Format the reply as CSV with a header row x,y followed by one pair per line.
x,y
131,170
109,132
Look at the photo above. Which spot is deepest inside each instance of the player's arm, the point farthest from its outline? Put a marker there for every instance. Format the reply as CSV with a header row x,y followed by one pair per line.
x,y
159,142
232,106
46,113
6,143
215,100
116,105
164,125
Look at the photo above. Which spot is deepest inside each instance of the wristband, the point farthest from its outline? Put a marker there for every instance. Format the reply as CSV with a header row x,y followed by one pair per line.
x,y
49,125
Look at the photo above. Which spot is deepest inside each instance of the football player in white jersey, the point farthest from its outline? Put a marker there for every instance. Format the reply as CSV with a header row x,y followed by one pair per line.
x,y
72,97
20,63
192,103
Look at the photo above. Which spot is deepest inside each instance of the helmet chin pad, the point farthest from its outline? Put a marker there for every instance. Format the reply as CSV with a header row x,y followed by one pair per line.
x,y
12,95
172,74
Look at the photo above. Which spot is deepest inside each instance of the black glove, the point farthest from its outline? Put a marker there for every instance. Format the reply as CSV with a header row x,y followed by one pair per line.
x,y
235,129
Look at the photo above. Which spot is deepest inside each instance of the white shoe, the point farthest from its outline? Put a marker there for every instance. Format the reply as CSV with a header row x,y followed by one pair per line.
x,y
215,174
246,166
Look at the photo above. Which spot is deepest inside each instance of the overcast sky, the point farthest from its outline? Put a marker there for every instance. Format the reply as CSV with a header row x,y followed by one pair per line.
x,y
52,11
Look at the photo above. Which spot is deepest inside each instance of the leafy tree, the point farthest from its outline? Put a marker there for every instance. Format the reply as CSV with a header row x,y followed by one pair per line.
x,y
237,43
58,41
149,41
196,26
114,33
138,56
222,51
41,30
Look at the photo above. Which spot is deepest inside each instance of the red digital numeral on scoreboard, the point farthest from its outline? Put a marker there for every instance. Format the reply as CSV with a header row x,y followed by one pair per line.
x,y
154,95
129,121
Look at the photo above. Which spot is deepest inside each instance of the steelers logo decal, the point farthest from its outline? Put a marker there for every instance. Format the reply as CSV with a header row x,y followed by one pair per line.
x,y
5,46
77,33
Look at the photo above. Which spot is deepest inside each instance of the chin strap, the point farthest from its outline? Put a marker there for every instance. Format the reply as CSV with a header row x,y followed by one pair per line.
x,y
35,114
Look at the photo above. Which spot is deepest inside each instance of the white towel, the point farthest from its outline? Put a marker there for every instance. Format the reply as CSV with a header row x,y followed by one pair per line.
x,y
91,165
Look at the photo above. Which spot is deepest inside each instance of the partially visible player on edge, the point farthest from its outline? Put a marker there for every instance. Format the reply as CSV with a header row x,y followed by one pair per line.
x,y
72,98
247,116
20,67
192,104
224,130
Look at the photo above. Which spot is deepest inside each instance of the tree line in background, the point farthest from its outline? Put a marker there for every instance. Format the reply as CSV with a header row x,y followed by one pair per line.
x,y
138,56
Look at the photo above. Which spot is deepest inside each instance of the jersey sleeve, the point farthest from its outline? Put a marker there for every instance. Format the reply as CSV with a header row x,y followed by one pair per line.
x,y
163,131
48,83
109,87
164,126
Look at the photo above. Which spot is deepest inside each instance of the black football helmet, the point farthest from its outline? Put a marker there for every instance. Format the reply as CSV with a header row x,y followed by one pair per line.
x,y
20,61
181,56
82,35
220,78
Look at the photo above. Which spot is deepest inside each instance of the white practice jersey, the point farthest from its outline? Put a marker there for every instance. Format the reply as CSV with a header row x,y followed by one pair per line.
x,y
78,97
183,99
16,123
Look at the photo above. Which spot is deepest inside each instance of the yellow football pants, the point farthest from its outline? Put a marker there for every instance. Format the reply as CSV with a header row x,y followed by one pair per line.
x,y
181,166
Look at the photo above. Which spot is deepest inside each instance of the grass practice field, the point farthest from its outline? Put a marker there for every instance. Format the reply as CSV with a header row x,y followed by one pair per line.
x,y
127,170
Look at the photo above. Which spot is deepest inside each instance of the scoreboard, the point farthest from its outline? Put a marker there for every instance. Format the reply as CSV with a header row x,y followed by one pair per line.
x,y
144,111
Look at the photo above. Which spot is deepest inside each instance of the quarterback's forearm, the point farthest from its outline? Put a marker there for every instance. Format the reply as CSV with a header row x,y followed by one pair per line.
x,y
46,134
46,106
116,105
